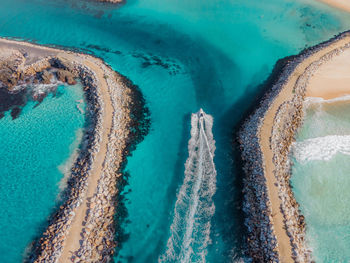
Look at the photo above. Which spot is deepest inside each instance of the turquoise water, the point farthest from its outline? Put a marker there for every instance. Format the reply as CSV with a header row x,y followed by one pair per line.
x,y
33,154
321,179
183,55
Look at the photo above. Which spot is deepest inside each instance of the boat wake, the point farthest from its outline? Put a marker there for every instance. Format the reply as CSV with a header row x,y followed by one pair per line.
x,y
194,207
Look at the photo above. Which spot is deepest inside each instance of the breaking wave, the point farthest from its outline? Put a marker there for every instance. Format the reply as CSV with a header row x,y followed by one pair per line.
x,y
194,207
317,100
321,148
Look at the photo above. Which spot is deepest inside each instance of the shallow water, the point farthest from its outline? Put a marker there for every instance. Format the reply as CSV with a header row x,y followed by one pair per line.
x,y
183,55
321,179
33,151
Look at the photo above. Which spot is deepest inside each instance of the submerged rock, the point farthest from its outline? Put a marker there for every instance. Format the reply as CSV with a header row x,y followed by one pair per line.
x,y
15,112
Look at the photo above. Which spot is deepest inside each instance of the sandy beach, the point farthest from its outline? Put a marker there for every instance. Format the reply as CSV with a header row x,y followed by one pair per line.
x,y
340,4
331,79
83,228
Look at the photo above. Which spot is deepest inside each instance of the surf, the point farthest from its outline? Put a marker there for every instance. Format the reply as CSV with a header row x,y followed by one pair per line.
x,y
321,148
194,207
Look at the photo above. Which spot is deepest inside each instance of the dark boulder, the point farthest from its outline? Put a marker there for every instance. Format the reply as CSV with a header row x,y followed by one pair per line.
x,y
45,77
8,77
66,76
15,112
62,63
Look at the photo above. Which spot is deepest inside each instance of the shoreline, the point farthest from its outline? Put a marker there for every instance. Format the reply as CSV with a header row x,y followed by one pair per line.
x,y
331,80
276,227
84,225
343,5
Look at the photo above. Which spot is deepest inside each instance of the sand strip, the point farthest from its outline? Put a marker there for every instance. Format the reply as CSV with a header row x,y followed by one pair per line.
x,y
331,79
72,240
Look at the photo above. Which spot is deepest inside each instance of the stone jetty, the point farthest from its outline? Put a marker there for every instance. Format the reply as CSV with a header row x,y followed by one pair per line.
x,y
83,227
276,227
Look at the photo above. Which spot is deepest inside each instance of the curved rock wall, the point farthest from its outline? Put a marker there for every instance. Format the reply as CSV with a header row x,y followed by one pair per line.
x,y
93,190
98,237
99,233
262,243
49,247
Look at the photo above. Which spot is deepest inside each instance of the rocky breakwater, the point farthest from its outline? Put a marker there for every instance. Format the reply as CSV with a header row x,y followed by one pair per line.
x,y
83,227
98,231
283,104
48,247
262,244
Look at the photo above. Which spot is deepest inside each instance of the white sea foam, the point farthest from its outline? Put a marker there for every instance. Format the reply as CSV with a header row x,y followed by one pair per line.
x,y
316,100
66,166
194,207
321,148
79,106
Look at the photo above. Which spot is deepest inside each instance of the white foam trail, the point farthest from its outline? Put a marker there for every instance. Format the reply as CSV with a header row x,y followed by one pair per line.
x,y
194,207
321,148
79,106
